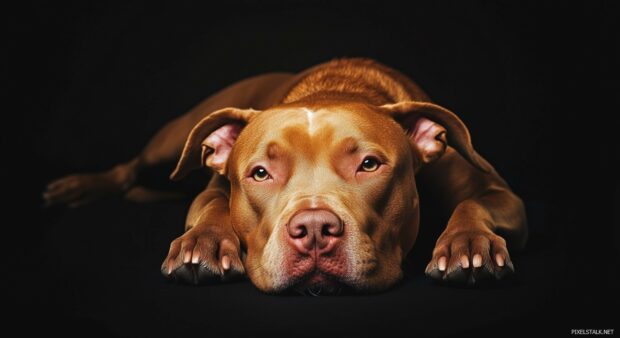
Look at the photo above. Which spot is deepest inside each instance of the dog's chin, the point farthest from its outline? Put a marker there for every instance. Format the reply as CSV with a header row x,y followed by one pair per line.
x,y
319,284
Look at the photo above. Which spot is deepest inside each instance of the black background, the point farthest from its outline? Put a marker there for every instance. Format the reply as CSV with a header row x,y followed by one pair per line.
x,y
89,84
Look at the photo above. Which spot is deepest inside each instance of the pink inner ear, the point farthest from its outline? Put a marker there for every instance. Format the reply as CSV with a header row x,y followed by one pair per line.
x,y
221,141
424,134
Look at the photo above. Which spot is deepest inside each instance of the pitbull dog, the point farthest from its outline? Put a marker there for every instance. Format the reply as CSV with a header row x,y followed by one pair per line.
x,y
314,184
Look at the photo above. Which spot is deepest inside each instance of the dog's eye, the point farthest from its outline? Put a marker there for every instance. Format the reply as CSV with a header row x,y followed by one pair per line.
x,y
260,174
369,164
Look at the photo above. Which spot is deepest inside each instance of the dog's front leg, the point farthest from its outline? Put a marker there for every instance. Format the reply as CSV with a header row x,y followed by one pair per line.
x,y
209,249
487,218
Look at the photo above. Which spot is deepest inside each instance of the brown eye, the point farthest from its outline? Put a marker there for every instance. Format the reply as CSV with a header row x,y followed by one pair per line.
x,y
369,164
260,174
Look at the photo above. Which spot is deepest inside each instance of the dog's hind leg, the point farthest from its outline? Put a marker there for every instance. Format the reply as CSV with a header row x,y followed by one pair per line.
x,y
163,149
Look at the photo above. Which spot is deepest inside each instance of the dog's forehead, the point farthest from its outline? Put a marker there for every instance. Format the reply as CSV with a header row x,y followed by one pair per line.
x,y
312,132
304,130
327,122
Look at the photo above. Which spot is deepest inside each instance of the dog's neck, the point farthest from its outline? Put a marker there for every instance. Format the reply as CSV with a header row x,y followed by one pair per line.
x,y
358,80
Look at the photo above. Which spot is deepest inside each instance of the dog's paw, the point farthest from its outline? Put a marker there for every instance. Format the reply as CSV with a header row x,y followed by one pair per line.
x,y
203,255
469,257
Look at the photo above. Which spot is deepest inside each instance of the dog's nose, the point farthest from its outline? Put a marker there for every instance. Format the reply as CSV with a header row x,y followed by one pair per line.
x,y
314,227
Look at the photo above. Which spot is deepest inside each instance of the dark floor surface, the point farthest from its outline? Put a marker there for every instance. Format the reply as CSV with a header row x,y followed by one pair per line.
x,y
100,272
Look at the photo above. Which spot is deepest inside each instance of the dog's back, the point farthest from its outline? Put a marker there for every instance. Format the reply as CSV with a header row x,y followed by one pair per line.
x,y
356,78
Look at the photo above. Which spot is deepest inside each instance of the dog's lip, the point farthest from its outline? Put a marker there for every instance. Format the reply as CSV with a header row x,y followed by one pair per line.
x,y
318,283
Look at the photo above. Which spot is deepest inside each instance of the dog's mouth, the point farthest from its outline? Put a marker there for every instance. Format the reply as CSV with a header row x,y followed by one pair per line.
x,y
319,284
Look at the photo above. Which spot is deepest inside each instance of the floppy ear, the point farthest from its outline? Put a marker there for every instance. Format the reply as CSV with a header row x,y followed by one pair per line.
x,y
432,128
211,140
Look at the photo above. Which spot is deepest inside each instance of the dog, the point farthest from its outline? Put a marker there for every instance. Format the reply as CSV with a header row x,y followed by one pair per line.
x,y
314,180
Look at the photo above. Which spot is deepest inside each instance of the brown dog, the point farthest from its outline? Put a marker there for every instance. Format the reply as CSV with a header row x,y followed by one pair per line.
x,y
315,188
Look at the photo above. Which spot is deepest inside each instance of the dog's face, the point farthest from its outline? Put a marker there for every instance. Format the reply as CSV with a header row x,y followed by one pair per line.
x,y
322,195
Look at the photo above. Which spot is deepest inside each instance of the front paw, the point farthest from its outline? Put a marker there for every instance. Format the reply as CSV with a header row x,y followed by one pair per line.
x,y
203,255
469,257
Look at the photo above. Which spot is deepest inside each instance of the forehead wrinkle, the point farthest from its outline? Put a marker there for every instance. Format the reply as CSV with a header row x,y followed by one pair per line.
x,y
348,145
371,147
352,145
274,150
299,140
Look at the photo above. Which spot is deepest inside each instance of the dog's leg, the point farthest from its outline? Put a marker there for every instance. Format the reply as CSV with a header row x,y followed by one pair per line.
x,y
209,249
164,148
79,189
487,218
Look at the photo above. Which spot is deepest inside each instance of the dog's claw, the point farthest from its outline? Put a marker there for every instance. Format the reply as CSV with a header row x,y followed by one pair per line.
x,y
499,260
225,262
466,268
477,261
193,257
441,263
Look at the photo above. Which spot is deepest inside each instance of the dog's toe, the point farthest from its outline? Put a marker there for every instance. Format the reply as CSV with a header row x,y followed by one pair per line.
x,y
199,257
470,258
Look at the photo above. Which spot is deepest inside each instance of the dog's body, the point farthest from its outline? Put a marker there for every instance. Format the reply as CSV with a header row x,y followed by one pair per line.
x,y
315,180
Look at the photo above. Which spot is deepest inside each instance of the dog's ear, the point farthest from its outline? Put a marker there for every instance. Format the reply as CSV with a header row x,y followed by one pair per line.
x,y
211,140
432,128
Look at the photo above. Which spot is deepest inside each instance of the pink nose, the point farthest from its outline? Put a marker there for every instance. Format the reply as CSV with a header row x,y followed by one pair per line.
x,y
310,228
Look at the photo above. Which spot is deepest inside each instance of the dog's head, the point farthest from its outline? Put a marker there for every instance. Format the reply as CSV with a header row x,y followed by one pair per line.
x,y
324,194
